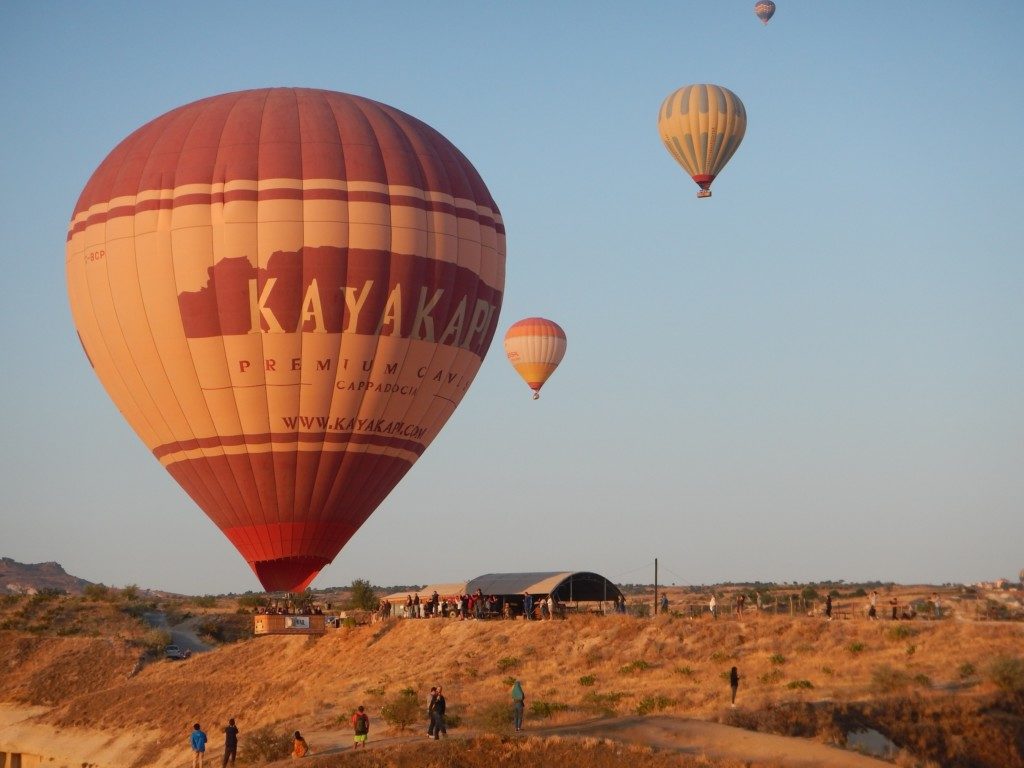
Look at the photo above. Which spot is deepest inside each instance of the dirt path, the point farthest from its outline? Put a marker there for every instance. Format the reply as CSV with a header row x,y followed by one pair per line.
x,y
699,737
692,737
182,635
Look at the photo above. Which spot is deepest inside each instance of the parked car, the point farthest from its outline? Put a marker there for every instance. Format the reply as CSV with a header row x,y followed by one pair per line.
x,y
174,652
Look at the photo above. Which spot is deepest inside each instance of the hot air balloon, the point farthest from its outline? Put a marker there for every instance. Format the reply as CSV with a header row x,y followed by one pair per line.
x,y
535,347
764,9
286,292
702,127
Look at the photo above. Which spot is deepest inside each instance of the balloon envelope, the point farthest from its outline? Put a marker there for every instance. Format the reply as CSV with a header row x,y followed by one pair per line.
x,y
702,126
286,292
764,9
535,347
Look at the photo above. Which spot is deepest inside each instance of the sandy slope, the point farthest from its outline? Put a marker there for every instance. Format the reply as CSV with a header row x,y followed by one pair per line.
x,y
697,737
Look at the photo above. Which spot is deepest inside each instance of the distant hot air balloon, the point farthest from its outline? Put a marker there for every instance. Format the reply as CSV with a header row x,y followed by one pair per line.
x,y
702,127
286,292
764,9
535,347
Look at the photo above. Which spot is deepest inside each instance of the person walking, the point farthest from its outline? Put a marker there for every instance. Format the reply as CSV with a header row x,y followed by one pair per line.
x,y
734,683
828,607
439,707
873,605
299,746
664,603
937,607
518,705
230,742
361,726
713,607
430,711
198,743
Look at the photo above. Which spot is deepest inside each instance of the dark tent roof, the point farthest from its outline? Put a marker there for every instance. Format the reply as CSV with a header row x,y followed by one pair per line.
x,y
568,586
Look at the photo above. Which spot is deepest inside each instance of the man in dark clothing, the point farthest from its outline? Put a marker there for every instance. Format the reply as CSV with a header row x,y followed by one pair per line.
x,y
430,711
438,720
828,607
230,742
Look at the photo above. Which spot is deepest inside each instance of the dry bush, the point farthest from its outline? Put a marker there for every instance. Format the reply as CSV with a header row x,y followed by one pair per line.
x,y
265,745
402,710
1007,673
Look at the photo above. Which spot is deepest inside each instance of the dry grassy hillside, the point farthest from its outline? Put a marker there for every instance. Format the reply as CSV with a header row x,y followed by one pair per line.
x,y
574,669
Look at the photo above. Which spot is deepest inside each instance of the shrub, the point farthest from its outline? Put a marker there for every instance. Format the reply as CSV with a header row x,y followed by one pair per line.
x,y
637,665
653,703
251,600
265,745
509,681
855,647
911,649
587,680
795,685
1007,672
402,710
967,670
886,679
770,678
826,670
378,691
777,659
605,703
362,596
96,592
496,717
546,709
900,632
684,671
507,662
809,593
205,601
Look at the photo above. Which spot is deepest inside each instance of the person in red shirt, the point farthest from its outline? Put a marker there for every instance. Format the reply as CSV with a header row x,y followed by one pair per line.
x,y
361,726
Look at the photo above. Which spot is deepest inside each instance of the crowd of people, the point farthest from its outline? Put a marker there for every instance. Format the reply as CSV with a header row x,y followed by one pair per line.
x,y
474,606
437,727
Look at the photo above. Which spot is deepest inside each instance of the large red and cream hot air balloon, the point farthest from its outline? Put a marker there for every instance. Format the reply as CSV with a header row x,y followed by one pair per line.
x,y
535,347
286,292
702,126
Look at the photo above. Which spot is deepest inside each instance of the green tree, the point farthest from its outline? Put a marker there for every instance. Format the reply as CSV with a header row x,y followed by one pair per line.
x,y
363,595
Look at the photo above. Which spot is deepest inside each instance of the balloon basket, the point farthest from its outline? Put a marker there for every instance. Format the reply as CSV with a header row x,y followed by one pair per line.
x,y
536,395
703,193
289,624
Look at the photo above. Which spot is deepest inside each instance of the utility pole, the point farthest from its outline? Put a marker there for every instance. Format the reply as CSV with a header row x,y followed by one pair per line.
x,y
655,586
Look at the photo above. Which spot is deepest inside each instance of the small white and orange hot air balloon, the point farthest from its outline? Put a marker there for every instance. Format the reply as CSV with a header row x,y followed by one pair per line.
x,y
535,347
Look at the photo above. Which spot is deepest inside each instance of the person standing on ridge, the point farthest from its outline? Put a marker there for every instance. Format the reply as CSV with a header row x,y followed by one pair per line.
x,y
439,707
734,683
431,700
528,606
230,742
518,705
198,743
361,726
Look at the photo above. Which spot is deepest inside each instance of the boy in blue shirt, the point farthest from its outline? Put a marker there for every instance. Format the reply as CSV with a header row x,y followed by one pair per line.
x,y
198,743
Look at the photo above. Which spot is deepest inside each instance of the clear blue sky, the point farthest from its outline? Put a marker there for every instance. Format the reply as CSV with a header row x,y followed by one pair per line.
x,y
816,374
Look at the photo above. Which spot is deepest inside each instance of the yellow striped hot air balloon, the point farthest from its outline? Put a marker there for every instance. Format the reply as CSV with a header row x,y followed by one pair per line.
x,y
535,347
702,126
